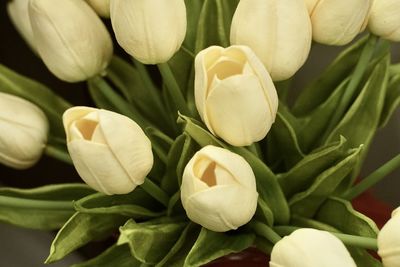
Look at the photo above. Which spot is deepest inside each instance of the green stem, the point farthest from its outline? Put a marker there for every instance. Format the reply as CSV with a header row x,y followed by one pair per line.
x,y
373,178
160,152
118,101
355,80
57,153
265,231
156,192
350,240
14,202
173,88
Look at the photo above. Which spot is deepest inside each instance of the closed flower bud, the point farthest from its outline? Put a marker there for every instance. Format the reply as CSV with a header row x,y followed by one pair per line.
x,y
218,189
337,22
71,39
389,241
18,13
234,94
23,135
310,248
110,151
149,30
279,32
102,7
384,19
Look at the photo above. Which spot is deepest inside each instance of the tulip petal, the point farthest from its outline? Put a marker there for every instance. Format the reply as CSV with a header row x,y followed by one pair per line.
x,y
128,143
73,114
237,110
99,168
212,208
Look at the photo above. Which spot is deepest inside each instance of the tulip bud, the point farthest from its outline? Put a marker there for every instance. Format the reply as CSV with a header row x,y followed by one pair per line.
x,y
102,7
149,30
71,39
384,19
389,241
23,135
234,94
18,13
218,189
110,151
279,32
310,248
337,22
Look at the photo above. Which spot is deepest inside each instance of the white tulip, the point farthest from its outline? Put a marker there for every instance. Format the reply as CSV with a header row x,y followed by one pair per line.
x,y
234,94
71,39
110,151
23,132
279,32
310,248
19,15
389,241
338,22
102,7
218,189
384,19
149,30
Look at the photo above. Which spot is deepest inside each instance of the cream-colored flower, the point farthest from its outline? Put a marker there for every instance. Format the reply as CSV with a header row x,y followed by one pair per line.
x,y
389,241
338,22
279,32
23,134
18,13
218,189
110,151
71,39
234,94
384,19
102,7
149,30
310,248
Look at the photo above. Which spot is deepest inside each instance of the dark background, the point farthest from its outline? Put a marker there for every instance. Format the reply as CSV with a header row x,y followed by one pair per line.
x,y
33,246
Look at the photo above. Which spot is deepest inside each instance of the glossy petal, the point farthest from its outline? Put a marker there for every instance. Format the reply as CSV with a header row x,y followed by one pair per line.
x,y
384,19
282,44
313,247
102,7
389,242
70,38
23,132
338,22
149,30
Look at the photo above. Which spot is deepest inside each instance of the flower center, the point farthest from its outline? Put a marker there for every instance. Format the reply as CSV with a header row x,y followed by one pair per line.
x,y
209,175
86,128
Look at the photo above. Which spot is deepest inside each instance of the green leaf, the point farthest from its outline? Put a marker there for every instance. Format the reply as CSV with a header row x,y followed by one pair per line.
x,y
81,229
119,256
307,203
51,104
193,10
363,258
177,254
43,208
365,112
340,214
392,100
301,176
99,99
170,181
316,123
320,89
146,99
264,213
267,184
214,24
150,242
286,139
211,245
137,205
188,150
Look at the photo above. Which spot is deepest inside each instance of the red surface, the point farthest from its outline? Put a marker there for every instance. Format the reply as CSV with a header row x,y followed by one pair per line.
x,y
366,204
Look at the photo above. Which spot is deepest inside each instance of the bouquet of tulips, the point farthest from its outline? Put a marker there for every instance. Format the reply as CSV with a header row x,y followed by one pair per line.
x,y
215,159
